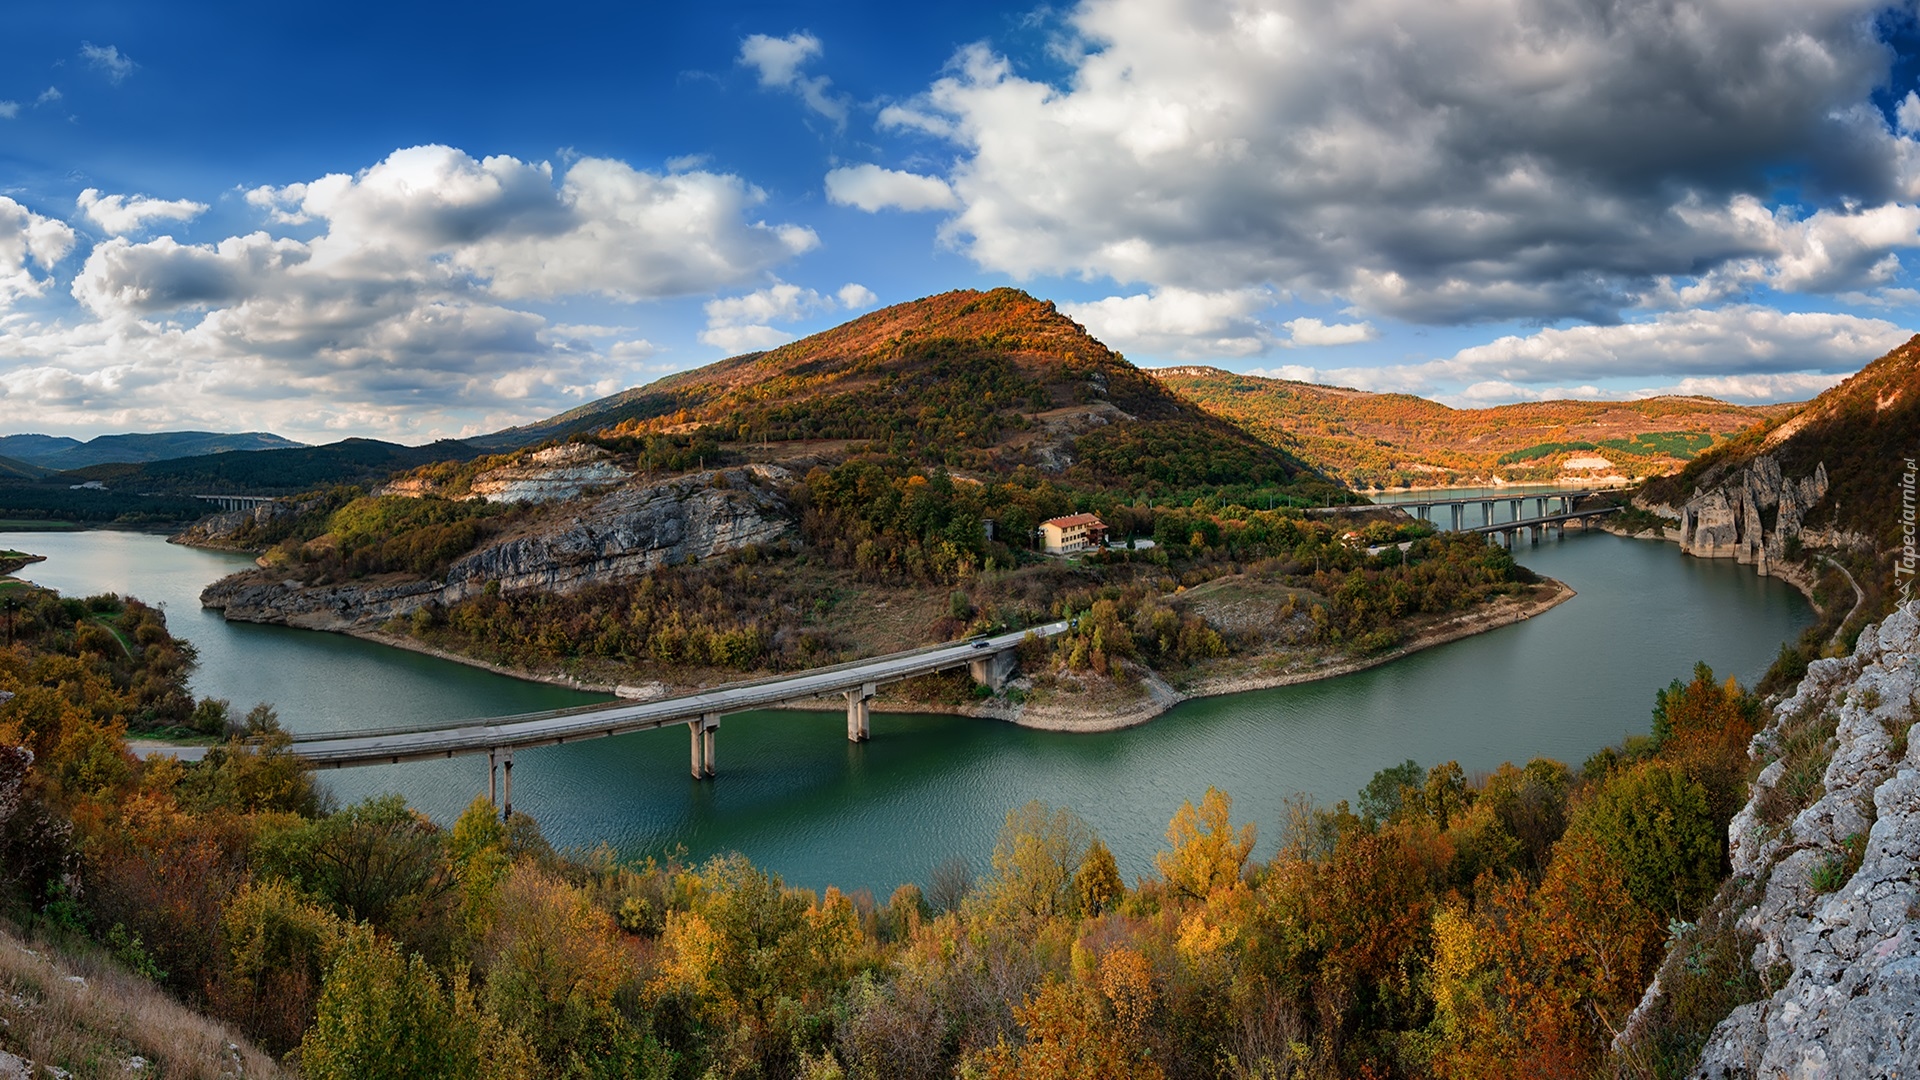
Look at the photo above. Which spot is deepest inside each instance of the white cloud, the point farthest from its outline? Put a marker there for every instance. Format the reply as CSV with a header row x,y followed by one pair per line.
x,y
1310,332
395,310
1740,340
1182,323
109,59
28,240
737,324
1742,353
753,337
48,96
1479,160
9,110
122,214
872,188
779,60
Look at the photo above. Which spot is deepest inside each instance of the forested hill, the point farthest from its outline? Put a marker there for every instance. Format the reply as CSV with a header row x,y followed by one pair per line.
x,y
1395,440
985,381
54,452
273,472
1863,431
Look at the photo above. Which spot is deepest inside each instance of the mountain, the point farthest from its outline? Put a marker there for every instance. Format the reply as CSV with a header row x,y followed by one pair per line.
x,y
58,453
1392,440
273,472
984,381
1860,434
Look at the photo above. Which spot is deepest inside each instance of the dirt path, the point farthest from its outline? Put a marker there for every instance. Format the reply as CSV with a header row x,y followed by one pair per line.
x,y
1859,598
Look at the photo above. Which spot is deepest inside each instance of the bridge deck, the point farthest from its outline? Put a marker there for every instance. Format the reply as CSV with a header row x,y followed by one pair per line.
x,y
334,750
1548,519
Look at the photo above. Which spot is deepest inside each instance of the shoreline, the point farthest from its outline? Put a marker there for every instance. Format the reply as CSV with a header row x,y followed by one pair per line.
x,y
1794,575
1162,696
1067,716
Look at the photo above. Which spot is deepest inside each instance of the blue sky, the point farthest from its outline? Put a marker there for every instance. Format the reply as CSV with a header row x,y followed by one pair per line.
x,y
406,223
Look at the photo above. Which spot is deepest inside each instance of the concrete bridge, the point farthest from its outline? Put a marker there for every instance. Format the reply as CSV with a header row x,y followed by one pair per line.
x,y
990,660
236,502
1562,502
1508,533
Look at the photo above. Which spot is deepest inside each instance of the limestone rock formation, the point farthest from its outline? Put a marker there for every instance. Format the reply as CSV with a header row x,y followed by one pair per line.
x,y
1849,1004
550,475
620,534
1750,516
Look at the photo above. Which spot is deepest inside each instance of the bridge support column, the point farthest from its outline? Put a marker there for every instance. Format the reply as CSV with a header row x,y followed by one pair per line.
x,y
1560,530
506,765
992,671
704,736
1513,505
493,778
860,713
1540,507
1456,508
1486,513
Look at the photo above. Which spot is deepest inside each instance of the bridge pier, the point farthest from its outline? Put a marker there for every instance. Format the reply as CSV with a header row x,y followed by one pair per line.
x,y
1486,512
1456,508
506,766
860,713
704,733
992,671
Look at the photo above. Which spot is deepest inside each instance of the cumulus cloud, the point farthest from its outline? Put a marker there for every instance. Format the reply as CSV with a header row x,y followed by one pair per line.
x,y
122,214
737,324
1745,353
9,110
48,96
778,62
399,307
1442,164
1180,323
108,59
872,188
1304,331
28,240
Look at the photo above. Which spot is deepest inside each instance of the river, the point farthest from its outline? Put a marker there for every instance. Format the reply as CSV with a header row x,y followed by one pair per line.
x,y
798,799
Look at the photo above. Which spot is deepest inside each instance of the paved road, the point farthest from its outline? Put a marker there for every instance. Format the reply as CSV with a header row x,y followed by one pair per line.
x,y
345,749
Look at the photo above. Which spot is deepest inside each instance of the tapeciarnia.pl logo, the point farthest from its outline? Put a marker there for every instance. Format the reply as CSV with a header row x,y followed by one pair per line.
x,y
1907,562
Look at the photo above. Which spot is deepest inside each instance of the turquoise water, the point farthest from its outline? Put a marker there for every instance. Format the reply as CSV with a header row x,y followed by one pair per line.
x,y
797,798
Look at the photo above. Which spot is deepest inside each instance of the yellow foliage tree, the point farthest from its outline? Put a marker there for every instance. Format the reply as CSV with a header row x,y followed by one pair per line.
x,y
1207,853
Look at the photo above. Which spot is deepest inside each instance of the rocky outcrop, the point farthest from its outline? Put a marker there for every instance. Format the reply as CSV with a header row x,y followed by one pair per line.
x,y
1847,960
621,534
1750,517
550,475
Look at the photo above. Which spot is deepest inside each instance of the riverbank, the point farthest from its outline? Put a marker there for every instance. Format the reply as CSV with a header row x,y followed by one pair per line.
x,y
1800,577
12,562
1272,670
1094,708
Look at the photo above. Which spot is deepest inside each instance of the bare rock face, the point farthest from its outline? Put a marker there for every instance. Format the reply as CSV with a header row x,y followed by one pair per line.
x,y
1850,1003
558,472
1751,516
220,530
622,534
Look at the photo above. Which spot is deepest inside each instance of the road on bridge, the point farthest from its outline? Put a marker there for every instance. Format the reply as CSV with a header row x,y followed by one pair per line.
x,y
335,750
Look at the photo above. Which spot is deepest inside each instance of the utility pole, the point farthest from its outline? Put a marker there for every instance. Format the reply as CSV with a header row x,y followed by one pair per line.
x,y
11,604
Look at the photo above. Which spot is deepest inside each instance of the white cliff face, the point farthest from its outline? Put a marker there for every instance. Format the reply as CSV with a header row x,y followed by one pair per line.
x,y
622,534
1850,958
1751,516
558,472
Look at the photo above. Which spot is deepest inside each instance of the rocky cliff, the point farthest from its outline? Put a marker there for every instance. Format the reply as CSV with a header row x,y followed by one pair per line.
x,y
618,534
549,475
1838,881
1750,516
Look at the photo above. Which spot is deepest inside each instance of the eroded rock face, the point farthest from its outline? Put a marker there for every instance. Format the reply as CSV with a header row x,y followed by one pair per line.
x,y
1751,516
558,472
621,534
1850,1004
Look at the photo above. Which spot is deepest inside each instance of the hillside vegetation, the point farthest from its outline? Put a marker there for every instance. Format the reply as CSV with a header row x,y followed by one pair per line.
x,y
1398,440
1441,925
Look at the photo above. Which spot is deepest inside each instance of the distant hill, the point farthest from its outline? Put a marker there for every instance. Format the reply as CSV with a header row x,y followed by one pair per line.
x,y
273,472
983,381
15,469
59,453
1393,440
